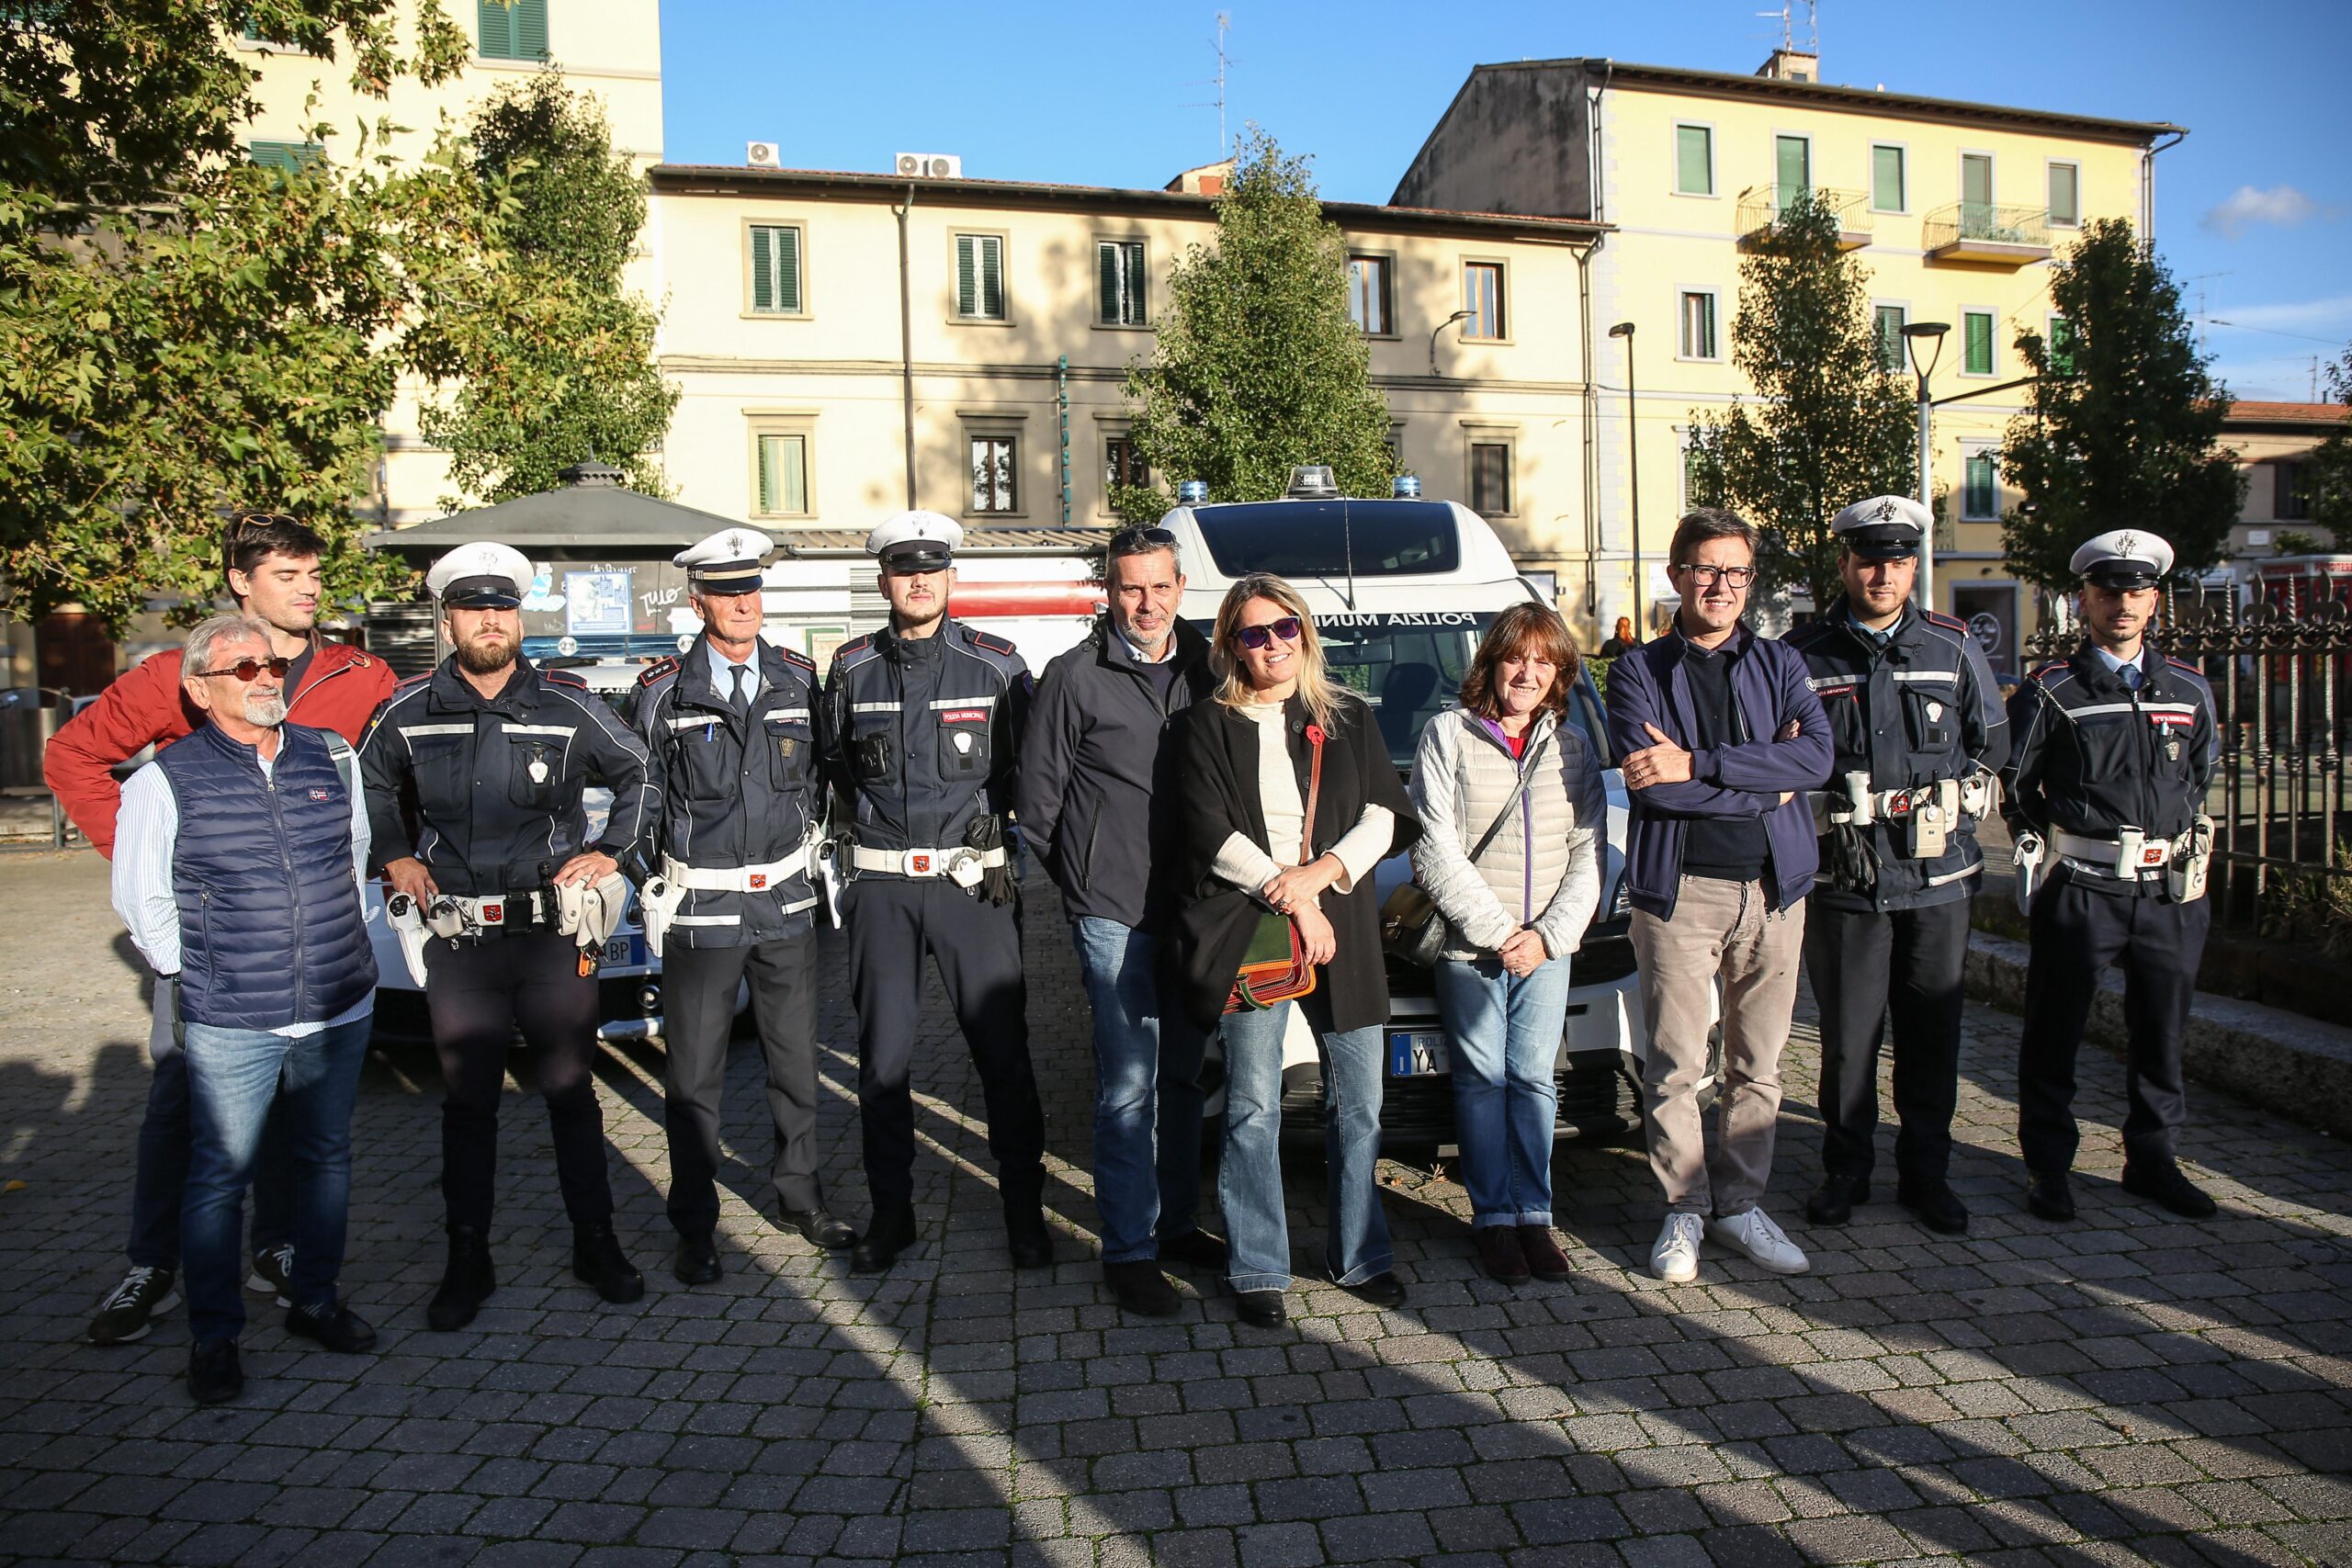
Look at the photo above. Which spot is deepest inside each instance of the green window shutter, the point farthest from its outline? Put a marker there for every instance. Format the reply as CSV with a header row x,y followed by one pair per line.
x,y
787,244
967,298
1890,337
1886,179
1106,258
763,274
1979,497
784,475
288,157
495,21
530,29
1694,165
1979,324
992,277
1792,167
767,474
1133,286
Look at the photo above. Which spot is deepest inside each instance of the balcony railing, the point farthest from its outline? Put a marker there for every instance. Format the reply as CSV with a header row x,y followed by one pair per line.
x,y
1762,207
1982,231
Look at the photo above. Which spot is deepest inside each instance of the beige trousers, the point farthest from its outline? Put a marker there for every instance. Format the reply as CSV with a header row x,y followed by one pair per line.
x,y
1718,928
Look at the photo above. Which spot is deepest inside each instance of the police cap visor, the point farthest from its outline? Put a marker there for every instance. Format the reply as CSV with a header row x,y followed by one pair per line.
x,y
481,594
1883,542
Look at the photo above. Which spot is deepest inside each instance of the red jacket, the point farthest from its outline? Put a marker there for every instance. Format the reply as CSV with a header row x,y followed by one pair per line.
x,y
145,706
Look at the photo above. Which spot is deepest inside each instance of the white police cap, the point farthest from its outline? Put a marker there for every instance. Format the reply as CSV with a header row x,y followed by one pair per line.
x,y
1884,527
915,541
2124,558
482,576
727,562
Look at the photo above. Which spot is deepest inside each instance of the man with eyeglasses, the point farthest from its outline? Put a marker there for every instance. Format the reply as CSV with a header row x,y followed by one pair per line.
x,y
271,565
239,862
1098,804
1720,736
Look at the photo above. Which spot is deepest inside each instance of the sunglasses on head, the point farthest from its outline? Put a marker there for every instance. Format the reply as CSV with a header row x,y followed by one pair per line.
x,y
1255,637
250,670
1136,541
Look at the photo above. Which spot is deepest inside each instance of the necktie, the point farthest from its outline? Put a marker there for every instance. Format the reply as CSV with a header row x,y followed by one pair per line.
x,y
741,700
2130,675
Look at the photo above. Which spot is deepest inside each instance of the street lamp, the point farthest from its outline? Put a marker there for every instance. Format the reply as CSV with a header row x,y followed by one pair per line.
x,y
1634,458
1932,333
1458,315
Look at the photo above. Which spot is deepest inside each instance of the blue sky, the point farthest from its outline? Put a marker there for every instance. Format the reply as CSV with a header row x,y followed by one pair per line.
x,y
1116,95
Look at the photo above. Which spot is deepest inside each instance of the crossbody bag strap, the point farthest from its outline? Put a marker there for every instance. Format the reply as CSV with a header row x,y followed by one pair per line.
x,y
1518,788
1314,789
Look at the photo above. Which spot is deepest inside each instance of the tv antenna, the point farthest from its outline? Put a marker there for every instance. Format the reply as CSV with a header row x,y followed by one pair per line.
x,y
1786,15
1224,62
2201,279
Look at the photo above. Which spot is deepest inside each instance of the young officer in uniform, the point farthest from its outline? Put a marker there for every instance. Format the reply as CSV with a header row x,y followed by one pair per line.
x,y
474,775
1917,724
2105,795
731,727
922,722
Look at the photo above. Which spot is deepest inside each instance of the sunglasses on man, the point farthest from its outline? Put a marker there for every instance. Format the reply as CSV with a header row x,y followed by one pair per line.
x,y
249,669
1257,638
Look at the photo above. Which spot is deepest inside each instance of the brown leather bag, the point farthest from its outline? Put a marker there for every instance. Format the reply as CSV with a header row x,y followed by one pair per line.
x,y
1273,966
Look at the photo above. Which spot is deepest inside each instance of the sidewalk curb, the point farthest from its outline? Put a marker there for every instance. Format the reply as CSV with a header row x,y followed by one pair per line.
x,y
2282,1061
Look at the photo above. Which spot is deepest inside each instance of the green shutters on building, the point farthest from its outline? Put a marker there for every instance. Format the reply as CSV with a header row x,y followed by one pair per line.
x,y
775,270
1980,488
1889,320
1694,160
1120,280
980,277
1793,168
513,29
784,475
2066,192
1886,179
1976,327
289,157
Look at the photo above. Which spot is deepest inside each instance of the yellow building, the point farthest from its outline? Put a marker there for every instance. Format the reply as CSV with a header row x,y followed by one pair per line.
x,y
1956,209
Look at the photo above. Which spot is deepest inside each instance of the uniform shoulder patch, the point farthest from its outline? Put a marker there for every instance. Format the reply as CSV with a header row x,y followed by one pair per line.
x,y
359,660
565,678
659,668
993,642
2058,668
2184,664
1949,623
413,680
854,645
794,655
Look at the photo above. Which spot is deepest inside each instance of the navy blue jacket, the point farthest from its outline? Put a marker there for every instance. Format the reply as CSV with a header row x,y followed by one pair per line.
x,y
1769,689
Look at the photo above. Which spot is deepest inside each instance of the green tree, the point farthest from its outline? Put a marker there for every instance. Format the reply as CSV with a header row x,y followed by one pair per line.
x,y
1830,426
556,356
2327,477
1258,365
2125,422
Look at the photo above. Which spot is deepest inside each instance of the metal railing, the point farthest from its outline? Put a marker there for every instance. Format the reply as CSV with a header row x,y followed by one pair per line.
x,y
1985,223
1762,207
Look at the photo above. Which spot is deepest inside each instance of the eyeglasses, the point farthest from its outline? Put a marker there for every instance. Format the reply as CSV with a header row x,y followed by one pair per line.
x,y
1136,541
249,669
1255,637
1705,576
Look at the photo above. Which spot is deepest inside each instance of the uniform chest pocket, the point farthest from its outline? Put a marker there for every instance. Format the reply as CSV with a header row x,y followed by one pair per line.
x,y
874,748
701,757
1848,721
533,770
442,768
2171,744
1932,717
963,743
790,746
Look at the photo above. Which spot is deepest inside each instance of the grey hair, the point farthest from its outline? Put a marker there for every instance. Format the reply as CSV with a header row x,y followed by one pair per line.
x,y
1132,541
214,630
1704,523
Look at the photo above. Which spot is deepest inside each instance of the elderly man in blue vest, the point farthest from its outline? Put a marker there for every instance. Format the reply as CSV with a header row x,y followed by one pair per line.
x,y
237,868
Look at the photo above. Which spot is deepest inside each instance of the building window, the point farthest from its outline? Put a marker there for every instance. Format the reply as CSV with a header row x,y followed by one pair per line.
x,y
286,157
775,270
1698,324
1887,193
1482,296
2066,194
2290,500
2062,345
1975,193
1976,343
979,277
513,29
1119,276
995,471
1490,478
1792,169
1980,488
1122,464
1694,160
1368,295
783,475
1889,319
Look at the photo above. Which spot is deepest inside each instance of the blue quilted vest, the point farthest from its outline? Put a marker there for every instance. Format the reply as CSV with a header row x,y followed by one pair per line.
x,y
271,932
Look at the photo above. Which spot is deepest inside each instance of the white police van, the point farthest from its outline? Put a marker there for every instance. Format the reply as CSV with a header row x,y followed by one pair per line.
x,y
1401,591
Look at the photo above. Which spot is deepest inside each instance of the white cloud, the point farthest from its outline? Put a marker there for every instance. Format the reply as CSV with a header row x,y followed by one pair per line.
x,y
2282,205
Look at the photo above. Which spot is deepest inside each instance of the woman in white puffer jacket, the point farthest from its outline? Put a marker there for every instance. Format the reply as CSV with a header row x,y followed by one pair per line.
x,y
1513,919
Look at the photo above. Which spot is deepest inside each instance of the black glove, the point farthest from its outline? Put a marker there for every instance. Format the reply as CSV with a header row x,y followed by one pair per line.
x,y
997,884
1852,860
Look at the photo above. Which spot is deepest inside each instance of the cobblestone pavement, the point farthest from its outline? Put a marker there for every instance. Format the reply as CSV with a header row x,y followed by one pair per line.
x,y
2131,1389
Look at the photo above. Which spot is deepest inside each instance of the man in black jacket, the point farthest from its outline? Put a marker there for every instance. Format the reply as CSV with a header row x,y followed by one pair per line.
x,y
1098,804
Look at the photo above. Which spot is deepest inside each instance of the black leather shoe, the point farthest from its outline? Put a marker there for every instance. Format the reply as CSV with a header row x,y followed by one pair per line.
x,y
1833,1201
1195,1249
1026,1235
888,1236
597,1259
1261,1309
467,1281
1381,1291
213,1375
1142,1288
1937,1205
2165,1185
697,1261
335,1326
2047,1196
819,1228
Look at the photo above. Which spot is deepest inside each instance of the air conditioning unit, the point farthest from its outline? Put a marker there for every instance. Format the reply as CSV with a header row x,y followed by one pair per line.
x,y
762,154
929,166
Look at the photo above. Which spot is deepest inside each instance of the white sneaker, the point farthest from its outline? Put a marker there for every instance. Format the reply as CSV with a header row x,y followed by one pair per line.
x,y
1674,1256
1764,1243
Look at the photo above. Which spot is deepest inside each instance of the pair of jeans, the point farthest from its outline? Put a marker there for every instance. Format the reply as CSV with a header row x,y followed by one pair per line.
x,y
233,1076
160,1187
1505,1032
1146,1093
1249,1176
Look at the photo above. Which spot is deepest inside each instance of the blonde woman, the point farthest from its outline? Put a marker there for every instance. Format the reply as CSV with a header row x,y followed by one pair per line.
x,y
1250,764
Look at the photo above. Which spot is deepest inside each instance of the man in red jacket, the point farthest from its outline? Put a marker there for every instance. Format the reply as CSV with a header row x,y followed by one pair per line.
x,y
272,566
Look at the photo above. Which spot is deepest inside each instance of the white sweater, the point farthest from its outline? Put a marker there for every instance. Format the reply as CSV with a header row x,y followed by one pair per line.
x,y
1249,866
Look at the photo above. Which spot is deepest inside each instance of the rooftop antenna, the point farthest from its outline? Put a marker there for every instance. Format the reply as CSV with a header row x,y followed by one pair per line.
x,y
1786,15
1224,22
2201,279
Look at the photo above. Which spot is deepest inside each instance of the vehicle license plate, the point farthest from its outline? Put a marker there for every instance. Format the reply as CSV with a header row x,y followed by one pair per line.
x,y
1417,1054
621,951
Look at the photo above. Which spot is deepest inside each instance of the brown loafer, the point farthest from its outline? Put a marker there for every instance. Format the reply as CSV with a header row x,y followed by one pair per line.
x,y
1500,1255
1544,1259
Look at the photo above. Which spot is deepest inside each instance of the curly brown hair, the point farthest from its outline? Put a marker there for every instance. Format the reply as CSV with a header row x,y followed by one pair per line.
x,y
1519,632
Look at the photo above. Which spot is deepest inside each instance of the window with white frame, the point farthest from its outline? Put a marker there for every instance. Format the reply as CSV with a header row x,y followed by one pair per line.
x,y
780,473
775,250
1368,304
512,30
979,277
2065,194
1482,296
1889,191
1697,340
1889,320
1694,160
1120,284
996,469
1976,343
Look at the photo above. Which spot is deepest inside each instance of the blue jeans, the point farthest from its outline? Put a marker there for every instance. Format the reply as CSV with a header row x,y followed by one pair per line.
x,y
1506,1034
232,1075
161,1185
1147,1097
1250,1177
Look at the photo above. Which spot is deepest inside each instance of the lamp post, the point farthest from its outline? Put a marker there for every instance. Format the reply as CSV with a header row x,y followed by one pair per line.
x,y
1458,315
1933,333
1634,460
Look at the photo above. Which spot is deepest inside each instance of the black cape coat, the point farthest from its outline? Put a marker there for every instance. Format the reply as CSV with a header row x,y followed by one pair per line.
x,y
1220,788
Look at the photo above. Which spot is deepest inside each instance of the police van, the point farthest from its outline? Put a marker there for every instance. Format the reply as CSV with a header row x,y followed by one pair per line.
x,y
1401,591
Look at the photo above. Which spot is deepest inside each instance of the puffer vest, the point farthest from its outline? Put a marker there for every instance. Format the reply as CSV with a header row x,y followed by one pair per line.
x,y
1525,864
271,932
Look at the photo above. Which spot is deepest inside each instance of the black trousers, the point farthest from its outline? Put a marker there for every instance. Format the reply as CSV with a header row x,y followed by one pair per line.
x,y
699,986
893,922
1870,969
478,993
2078,931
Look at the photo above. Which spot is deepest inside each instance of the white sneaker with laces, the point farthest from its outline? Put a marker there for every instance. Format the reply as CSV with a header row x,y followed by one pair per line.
x,y
1763,1243
1675,1256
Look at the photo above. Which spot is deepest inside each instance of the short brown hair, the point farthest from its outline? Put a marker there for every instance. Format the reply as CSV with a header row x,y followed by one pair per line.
x,y
1519,632
254,537
1704,523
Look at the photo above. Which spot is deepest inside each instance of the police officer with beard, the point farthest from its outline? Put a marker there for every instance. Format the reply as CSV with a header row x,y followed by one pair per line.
x,y
922,722
732,727
474,775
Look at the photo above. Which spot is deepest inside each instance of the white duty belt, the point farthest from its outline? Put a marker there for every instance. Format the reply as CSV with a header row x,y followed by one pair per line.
x,y
2129,854
962,865
481,914
738,878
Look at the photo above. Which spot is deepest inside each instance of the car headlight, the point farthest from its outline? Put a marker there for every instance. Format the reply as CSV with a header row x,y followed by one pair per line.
x,y
1621,902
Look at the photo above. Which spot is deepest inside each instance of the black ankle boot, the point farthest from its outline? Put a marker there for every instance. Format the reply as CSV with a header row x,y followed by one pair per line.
x,y
596,1258
467,1280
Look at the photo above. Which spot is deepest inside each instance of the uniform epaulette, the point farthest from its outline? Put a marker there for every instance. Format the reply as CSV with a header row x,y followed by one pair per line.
x,y
412,681
854,645
993,642
2048,670
659,668
792,656
2184,664
1949,623
565,678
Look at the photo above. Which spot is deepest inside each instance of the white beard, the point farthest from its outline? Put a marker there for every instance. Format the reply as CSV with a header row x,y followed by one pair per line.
x,y
268,711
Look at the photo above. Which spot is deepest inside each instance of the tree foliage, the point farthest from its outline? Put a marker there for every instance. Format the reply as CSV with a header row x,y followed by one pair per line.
x,y
1258,364
2125,420
1830,425
2327,477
